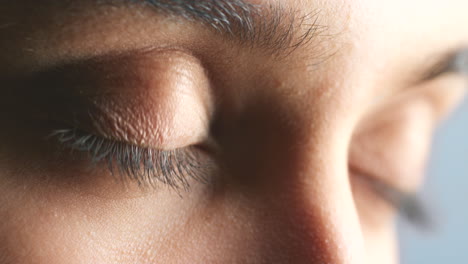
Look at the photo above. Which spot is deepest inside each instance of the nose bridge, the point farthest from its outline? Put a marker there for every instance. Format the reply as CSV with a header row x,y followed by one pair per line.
x,y
295,172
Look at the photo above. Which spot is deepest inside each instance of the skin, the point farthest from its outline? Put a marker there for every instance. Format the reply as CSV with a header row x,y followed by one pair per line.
x,y
284,130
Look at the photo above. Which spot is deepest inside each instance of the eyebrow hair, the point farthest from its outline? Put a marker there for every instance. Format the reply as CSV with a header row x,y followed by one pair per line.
x,y
221,15
269,27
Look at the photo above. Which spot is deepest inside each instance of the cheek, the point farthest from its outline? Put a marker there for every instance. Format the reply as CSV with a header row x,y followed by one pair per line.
x,y
45,225
35,231
48,225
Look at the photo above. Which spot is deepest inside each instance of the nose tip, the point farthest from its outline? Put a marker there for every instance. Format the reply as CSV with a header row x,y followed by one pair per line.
x,y
308,221
325,221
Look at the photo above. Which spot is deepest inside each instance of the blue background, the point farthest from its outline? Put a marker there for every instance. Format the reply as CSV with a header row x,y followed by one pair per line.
x,y
446,191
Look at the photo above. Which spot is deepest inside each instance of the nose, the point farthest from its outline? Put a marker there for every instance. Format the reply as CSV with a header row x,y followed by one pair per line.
x,y
293,170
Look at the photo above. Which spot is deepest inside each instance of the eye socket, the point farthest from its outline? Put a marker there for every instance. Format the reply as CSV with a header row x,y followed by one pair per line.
x,y
145,115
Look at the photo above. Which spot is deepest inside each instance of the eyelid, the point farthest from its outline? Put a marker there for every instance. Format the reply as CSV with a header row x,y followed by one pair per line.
x,y
165,103
158,99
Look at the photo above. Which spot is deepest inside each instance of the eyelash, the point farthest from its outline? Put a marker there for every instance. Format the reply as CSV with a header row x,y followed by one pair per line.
x,y
409,206
146,166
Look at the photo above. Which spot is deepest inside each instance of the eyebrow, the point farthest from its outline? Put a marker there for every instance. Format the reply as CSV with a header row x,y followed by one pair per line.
x,y
220,15
454,61
269,27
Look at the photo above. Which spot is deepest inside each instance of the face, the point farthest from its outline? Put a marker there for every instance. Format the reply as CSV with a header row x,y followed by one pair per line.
x,y
285,131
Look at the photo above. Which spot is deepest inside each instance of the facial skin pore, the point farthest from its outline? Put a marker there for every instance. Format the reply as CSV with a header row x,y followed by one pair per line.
x,y
295,131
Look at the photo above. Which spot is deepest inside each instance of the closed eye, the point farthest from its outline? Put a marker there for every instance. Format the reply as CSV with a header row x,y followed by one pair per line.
x,y
146,166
